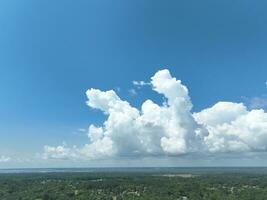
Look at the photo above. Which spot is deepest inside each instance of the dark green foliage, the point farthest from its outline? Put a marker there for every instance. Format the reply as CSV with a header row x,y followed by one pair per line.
x,y
133,186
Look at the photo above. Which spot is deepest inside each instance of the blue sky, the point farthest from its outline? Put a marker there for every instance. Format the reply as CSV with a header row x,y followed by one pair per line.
x,y
51,52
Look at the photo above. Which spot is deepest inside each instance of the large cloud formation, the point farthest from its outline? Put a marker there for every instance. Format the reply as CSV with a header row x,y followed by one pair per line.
x,y
170,128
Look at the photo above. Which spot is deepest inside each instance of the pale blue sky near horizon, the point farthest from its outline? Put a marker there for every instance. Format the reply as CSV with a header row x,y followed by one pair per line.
x,y
51,52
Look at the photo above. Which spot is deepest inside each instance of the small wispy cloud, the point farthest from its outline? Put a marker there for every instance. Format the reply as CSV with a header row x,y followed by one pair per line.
x,y
132,92
140,83
61,152
82,130
4,159
256,102
118,89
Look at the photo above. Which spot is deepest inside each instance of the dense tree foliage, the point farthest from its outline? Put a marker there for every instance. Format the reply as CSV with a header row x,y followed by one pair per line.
x,y
133,185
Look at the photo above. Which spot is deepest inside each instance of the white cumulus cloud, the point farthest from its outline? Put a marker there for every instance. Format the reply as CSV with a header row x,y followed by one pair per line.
x,y
154,130
233,128
167,129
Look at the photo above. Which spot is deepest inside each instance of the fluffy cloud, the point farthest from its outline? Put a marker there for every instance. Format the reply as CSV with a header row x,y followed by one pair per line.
x,y
154,130
232,128
167,129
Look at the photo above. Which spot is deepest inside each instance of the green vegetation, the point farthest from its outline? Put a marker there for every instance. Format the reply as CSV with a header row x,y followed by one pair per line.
x,y
134,185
